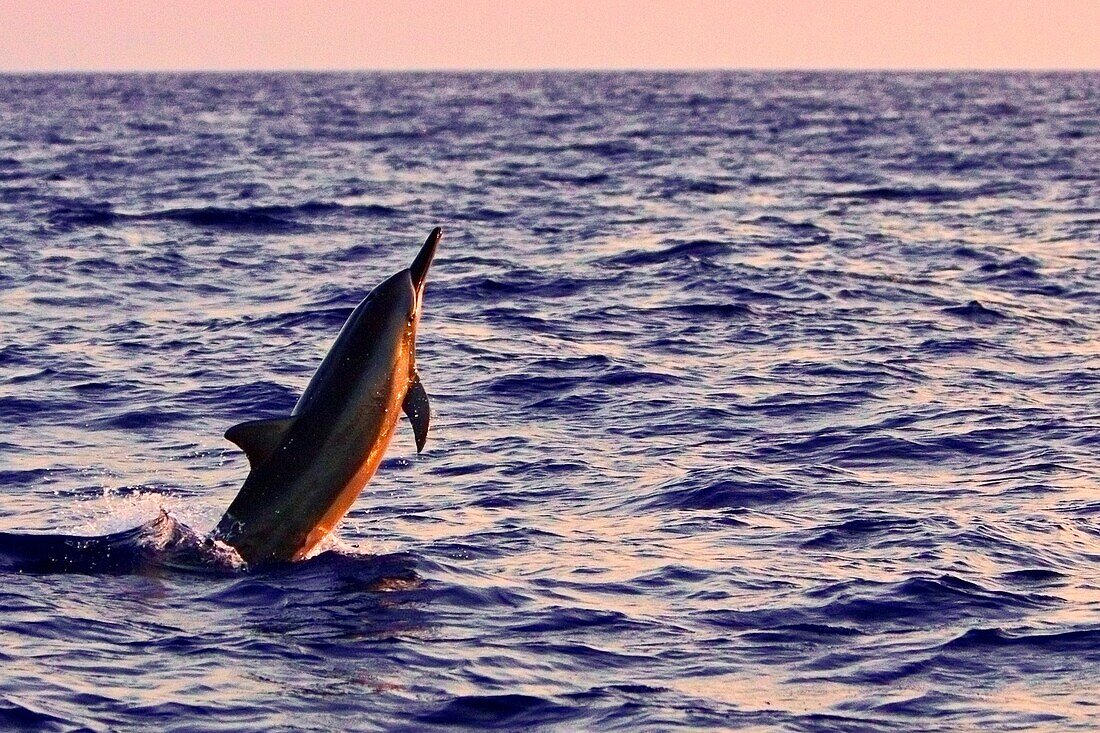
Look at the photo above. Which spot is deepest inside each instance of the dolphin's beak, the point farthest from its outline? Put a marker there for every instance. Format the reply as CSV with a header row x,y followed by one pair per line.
x,y
418,270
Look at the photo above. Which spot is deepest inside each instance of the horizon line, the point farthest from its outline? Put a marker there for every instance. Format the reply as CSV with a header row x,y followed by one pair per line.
x,y
557,69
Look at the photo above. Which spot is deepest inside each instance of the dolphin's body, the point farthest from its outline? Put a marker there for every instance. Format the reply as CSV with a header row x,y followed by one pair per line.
x,y
307,469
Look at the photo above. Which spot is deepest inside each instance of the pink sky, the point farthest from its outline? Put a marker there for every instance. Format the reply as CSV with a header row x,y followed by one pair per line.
x,y
46,35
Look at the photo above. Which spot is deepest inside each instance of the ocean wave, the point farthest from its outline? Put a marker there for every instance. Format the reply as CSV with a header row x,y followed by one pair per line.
x,y
699,493
695,250
275,218
163,541
932,194
499,712
15,715
864,531
1082,642
975,312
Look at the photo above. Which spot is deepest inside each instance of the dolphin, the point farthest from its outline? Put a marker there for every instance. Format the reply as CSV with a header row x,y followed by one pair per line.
x,y
307,469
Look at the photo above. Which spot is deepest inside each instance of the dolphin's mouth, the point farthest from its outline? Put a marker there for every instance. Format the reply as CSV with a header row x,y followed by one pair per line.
x,y
418,270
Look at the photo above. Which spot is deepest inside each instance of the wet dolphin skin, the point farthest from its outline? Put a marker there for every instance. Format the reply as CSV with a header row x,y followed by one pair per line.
x,y
308,468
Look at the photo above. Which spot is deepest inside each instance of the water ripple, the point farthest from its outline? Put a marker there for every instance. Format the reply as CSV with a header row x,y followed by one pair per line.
x,y
759,400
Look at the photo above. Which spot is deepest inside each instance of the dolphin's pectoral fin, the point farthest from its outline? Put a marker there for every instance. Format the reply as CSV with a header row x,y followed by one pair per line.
x,y
259,438
419,411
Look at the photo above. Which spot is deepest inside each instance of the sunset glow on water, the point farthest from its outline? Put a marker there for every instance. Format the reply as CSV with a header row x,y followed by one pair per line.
x,y
761,400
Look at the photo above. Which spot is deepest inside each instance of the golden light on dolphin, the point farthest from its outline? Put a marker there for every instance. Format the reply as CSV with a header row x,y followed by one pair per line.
x,y
308,468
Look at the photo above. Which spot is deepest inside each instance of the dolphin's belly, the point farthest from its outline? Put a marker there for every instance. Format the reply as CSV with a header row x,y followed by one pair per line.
x,y
328,458
344,495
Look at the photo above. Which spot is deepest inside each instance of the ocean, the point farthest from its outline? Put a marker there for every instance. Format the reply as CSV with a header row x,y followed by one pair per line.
x,y
762,401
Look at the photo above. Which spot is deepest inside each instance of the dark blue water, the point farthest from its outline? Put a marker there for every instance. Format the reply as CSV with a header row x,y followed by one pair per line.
x,y
761,401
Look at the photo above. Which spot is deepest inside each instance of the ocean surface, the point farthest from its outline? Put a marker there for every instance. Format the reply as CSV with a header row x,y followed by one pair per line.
x,y
763,401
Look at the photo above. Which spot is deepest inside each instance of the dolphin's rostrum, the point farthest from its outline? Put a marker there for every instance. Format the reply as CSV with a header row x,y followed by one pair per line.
x,y
307,469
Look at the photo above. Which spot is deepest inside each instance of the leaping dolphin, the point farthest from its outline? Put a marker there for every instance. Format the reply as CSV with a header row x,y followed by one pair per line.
x,y
307,469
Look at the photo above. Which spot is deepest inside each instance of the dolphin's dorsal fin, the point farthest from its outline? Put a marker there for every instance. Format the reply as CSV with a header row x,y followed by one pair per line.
x,y
419,411
259,438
